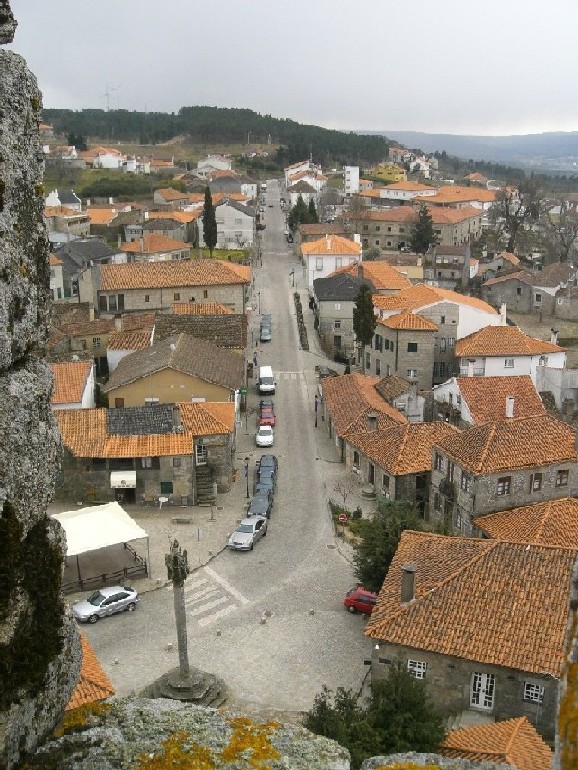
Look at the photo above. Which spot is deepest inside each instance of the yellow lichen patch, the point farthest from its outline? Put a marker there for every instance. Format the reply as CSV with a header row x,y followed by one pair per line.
x,y
568,709
79,718
252,740
407,766
178,756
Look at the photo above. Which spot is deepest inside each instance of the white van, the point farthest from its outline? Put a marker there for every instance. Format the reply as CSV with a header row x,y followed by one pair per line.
x,y
266,382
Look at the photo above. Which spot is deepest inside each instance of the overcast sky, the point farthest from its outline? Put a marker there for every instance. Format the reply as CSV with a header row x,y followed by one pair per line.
x,y
448,66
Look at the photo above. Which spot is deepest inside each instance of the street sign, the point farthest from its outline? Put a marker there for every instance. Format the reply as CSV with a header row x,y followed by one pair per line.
x,y
243,391
342,518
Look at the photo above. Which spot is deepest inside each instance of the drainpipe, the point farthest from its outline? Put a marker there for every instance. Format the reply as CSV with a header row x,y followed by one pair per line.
x,y
396,349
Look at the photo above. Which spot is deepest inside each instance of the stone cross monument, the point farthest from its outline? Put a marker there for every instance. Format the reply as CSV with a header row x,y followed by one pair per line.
x,y
178,569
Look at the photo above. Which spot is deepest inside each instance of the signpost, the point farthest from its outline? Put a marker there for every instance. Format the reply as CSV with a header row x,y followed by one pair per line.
x,y
342,518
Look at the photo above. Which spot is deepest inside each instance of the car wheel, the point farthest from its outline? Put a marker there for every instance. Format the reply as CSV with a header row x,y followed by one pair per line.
x,y
352,609
93,619
265,533
251,546
131,607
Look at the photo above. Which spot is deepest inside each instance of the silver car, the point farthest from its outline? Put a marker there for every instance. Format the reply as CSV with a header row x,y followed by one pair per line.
x,y
247,533
106,601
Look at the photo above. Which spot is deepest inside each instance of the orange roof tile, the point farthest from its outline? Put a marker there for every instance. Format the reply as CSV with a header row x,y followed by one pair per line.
x,y
486,397
351,398
493,602
129,340
411,321
200,308
458,194
179,214
503,341
514,741
208,417
419,296
381,274
99,216
170,194
151,243
54,261
509,257
94,684
83,431
153,445
331,244
182,272
62,211
410,186
554,522
69,381
519,442
403,449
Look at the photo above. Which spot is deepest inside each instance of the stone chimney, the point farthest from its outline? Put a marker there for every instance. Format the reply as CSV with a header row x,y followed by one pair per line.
x,y
554,336
408,583
91,312
510,401
503,321
360,271
177,425
371,422
118,323
471,367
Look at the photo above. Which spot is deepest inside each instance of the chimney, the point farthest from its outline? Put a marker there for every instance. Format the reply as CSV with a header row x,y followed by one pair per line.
x,y
142,245
554,336
118,322
110,201
503,314
327,242
91,312
371,422
88,201
177,419
146,216
408,583
360,270
119,240
510,400
471,367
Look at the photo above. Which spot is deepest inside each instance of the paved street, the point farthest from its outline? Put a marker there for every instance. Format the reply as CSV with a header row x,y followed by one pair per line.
x,y
270,622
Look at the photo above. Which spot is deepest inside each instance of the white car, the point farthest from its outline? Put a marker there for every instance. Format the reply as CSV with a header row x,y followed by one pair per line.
x,y
106,601
247,533
264,436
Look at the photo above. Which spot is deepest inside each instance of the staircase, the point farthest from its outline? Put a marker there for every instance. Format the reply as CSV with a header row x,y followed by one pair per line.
x,y
204,486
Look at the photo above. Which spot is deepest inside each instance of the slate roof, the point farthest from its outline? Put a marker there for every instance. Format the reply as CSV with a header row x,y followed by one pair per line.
x,y
339,286
301,187
503,341
82,251
496,603
519,442
225,331
486,397
161,223
140,420
553,522
419,296
381,274
515,742
392,387
185,354
69,381
235,204
93,684
551,276
182,272
404,449
351,398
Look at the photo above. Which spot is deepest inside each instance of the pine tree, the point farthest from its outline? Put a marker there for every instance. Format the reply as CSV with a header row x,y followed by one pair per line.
x,y
209,222
364,319
312,212
423,234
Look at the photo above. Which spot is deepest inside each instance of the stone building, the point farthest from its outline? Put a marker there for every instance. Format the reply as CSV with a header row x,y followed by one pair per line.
x,y
334,300
554,522
529,291
500,465
481,622
404,345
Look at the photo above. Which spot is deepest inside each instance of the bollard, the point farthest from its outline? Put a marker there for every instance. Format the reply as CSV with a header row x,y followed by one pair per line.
x,y
263,620
169,647
219,632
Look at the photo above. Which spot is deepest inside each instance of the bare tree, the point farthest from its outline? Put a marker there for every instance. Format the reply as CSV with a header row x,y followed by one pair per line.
x,y
354,214
344,487
560,230
514,208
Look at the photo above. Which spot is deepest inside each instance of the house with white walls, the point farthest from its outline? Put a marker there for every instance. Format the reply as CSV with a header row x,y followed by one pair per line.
x,y
74,384
235,225
321,257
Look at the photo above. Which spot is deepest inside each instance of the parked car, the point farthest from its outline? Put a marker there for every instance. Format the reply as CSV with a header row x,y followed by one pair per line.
x,y
325,371
264,436
268,461
267,416
266,319
266,402
260,226
265,479
248,532
358,599
261,504
106,601
265,333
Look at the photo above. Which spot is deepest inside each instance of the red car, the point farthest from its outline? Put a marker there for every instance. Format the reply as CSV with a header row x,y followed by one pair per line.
x,y
359,600
267,416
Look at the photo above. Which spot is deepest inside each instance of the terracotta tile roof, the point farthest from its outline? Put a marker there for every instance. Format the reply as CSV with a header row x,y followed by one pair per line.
x,y
419,296
170,194
477,177
381,274
160,445
150,243
243,271
522,442
70,381
522,275
408,320
496,603
181,216
321,228
129,340
554,522
459,194
404,449
98,327
200,308
486,397
408,214
503,341
350,398
62,211
83,431
54,261
182,272
93,685
392,387
514,742
411,186
509,257
99,216
331,244
208,418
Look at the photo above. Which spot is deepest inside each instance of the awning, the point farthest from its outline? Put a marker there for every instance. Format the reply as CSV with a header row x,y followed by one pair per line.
x,y
88,529
123,479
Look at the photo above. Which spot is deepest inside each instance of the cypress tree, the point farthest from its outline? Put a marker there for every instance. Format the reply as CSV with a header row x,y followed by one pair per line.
x,y
209,222
364,319
423,234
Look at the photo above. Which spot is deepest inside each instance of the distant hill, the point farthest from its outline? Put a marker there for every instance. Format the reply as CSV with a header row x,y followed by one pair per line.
x,y
555,150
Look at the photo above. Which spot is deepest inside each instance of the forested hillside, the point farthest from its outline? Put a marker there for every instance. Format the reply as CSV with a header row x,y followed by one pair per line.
x,y
209,125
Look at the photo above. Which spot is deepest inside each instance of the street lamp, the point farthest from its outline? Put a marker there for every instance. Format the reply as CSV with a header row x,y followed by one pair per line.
x,y
247,475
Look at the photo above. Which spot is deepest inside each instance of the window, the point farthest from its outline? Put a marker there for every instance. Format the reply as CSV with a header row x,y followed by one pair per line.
x,y
451,343
166,487
538,298
365,227
356,458
535,482
451,467
176,297
509,363
146,462
377,228
412,373
96,342
442,369
465,482
205,293
377,241
378,342
533,692
337,306
147,298
412,347
385,480
442,344
337,324
337,341
438,462
417,668
562,478
443,319
402,229
377,366
367,360
389,230
437,499
151,400
519,291
119,403
319,263
504,486
176,462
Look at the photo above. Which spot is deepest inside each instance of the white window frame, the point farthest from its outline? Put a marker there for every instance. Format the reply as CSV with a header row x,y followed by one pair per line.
x,y
417,668
508,363
533,692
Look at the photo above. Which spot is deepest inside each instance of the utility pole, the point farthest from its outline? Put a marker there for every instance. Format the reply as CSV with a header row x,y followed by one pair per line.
x,y
178,569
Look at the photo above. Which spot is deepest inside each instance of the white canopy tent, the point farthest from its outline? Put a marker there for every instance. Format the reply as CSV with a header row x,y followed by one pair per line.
x,y
99,526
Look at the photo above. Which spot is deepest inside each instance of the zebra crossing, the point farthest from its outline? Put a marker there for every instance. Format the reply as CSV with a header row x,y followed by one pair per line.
x,y
288,375
209,597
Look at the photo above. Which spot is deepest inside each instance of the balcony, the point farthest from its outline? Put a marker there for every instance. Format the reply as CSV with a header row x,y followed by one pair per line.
x,y
464,371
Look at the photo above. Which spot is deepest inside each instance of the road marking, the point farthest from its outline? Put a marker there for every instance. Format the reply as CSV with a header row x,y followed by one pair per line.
x,y
226,585
208,606
216,615
200,597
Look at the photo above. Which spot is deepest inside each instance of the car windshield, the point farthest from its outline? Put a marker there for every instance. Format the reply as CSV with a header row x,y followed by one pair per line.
x,y
96,598
245,528
265,430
